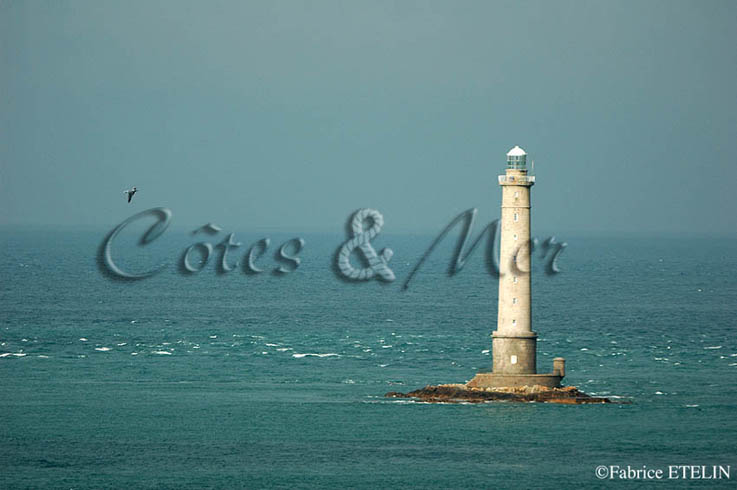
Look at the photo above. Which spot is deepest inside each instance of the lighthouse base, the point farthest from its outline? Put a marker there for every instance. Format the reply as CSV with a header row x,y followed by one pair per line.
x,y
492,380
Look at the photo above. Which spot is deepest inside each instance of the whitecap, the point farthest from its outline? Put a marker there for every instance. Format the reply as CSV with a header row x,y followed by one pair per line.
x,y
282,349
213,336
122,344
299,356
713,347
161,352
6,354
659,393
134,353
349,382
732,364
102,349
83,339
272,345
584,348
485,351
691,406
43,356
386,346
20,354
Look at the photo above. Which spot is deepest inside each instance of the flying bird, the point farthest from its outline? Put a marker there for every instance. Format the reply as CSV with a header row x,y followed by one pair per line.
x,y
130,193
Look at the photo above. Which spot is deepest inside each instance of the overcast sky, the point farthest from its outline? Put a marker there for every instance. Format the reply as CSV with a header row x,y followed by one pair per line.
x,y
290,115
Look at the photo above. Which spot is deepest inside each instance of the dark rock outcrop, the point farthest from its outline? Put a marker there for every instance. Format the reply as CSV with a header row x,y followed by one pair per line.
x,y
461,393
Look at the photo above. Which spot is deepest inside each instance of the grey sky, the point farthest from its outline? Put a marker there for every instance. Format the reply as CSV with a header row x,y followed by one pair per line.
x,y
293,114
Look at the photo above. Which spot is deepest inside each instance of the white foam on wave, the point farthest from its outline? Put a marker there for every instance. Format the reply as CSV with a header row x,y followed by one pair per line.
x,y
161,352
6,354
43,356
103,349
272,345
83,339
691,406
312,354
713,347
282,349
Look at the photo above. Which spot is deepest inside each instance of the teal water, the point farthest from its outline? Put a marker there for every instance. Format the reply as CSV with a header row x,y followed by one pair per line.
x,y
238,380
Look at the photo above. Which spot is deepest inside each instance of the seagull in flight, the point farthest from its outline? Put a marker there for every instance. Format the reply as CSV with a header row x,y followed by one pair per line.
x,y
130,193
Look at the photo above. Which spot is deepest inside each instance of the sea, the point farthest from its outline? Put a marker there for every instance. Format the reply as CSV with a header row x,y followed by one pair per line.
x,y
237,379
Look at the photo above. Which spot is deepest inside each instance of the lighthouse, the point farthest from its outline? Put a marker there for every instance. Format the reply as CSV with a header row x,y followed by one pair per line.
x,y
514,343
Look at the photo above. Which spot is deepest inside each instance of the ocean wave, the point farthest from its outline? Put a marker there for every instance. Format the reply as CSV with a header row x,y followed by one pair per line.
x,y
312,354
16,354
102,349
161,352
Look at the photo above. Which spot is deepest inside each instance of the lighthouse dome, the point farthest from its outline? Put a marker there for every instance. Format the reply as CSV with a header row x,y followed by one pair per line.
x,y
516,152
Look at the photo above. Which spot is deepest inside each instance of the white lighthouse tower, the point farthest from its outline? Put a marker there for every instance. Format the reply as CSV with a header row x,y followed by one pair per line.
x,y
514,344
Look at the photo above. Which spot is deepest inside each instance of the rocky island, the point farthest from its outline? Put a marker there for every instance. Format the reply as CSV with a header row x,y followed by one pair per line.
x,y
459,393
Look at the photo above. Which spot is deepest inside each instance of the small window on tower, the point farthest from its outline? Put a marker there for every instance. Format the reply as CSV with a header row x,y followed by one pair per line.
x,y
514,279
514,301
514,322
516,216
515,236
516,194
